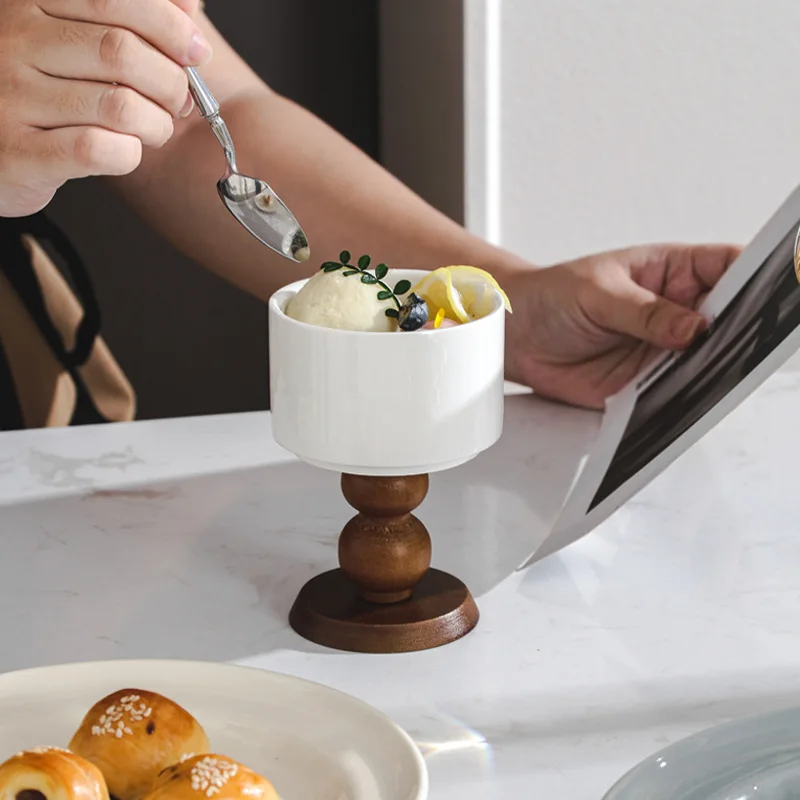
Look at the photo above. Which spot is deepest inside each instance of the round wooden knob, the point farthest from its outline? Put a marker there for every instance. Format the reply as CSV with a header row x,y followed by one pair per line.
x,y
385,550
385,497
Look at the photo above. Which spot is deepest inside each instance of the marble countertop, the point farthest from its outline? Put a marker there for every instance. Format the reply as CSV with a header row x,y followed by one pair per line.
x,y
190,538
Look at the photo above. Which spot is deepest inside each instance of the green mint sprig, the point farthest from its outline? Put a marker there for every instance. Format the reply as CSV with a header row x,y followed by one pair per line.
x,y
360,268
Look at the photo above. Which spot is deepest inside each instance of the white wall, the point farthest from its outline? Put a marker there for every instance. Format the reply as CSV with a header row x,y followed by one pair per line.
x,y
592,124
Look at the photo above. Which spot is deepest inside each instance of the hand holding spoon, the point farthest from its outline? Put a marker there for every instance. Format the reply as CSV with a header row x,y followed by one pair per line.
x,y
250,200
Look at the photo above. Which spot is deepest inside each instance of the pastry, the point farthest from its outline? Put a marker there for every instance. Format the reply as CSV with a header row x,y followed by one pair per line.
x,y
132,735
50,773
202,777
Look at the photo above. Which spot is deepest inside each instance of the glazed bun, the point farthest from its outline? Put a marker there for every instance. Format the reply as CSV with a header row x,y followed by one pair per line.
x,y
50,773
132,735
210,776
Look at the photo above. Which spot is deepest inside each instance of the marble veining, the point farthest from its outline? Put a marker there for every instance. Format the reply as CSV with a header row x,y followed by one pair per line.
x,y
190,538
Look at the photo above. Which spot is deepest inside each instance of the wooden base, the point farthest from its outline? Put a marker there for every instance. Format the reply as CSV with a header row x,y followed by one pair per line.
x,y
384,598
330,612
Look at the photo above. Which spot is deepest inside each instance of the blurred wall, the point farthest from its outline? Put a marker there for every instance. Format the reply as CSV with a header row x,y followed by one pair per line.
x,y
190,343
600,124
422,98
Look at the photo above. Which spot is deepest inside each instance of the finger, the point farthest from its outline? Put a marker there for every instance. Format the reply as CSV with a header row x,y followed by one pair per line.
x,y
159,22
190,7
699,265
83,51
709,263
59,103
694,270
681,272
85,151
625,307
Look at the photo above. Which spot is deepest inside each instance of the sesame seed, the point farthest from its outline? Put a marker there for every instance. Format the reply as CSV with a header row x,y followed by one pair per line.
x,y
209,775
113,722
42,750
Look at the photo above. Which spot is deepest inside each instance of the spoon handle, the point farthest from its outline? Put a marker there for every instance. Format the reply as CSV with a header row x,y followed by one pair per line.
x,y
206,103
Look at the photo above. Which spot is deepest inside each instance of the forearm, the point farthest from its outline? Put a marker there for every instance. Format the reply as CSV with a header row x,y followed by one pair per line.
x,y
342,198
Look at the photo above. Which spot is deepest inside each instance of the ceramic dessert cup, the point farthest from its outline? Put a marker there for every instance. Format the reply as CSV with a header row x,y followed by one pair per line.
x,y
385,410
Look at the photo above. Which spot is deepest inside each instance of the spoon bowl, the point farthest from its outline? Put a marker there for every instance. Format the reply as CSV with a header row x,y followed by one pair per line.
x,y
251,200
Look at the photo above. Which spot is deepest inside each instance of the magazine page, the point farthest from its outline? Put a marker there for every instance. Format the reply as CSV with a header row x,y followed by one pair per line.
x,y
754,328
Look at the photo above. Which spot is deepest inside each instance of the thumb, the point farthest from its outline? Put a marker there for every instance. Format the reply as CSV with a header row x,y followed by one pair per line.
x,y
640,313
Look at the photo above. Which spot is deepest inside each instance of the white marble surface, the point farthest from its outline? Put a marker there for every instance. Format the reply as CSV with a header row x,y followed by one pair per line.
x,y
190,538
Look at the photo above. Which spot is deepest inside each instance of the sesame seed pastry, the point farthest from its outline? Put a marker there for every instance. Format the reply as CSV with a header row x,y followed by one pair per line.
x,y
50,773
132,735
207,776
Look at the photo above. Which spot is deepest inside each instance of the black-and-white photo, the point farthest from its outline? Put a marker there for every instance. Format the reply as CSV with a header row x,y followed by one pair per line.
x,y
764,312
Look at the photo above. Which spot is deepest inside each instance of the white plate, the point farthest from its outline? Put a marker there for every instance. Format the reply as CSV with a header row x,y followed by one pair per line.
x,y
757,758
312,742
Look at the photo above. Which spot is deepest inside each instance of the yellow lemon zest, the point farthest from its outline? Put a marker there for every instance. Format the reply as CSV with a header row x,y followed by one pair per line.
x,y
440,314
437,290
471,299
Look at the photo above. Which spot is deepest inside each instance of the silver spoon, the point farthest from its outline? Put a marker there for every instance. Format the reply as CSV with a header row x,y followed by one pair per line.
x,y
250,200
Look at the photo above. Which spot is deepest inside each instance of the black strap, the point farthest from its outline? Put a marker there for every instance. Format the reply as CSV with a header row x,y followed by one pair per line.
x,y
10,410
15,263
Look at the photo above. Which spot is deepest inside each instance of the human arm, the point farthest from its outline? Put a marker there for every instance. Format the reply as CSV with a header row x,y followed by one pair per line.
x,y
342,198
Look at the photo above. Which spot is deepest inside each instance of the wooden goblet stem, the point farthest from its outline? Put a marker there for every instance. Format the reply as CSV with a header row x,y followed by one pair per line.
x,y
384,598
385,550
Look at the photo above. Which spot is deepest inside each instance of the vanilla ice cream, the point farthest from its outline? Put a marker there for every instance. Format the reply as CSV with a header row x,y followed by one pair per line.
x,y
333,300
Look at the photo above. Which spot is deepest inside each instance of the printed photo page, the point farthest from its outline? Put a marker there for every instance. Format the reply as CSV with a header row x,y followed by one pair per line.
x,y
754,328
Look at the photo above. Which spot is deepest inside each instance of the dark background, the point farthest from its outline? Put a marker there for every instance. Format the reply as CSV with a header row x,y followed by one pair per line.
x,y
190,343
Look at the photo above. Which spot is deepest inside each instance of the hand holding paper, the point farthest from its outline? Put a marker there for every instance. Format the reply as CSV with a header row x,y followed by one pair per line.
x,y
754,328
583,329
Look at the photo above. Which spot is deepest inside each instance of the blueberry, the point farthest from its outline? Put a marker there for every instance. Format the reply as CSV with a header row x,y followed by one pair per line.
x,y
413,313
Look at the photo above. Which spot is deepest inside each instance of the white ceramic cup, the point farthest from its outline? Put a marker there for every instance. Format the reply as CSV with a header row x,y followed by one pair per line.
x,y
385,403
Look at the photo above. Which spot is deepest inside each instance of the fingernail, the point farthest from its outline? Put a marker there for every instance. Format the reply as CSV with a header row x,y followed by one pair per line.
x,y
188,107
199,50
684,329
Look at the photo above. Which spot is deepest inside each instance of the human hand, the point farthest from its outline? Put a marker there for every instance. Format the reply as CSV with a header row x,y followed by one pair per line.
x,y
84,85
581,330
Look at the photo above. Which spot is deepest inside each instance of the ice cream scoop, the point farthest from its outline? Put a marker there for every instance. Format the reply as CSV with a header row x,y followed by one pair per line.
x,y
334,300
